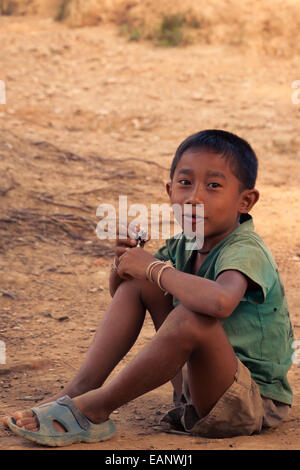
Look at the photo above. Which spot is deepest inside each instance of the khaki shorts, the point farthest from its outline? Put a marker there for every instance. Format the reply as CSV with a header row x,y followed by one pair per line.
x,y
240,411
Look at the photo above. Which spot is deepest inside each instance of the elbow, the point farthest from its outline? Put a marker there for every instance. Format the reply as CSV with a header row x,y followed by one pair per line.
x,y
223,307
218,305
218,308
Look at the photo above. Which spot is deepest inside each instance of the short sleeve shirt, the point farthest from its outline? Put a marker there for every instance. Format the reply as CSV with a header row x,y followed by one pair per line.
x,y
259,329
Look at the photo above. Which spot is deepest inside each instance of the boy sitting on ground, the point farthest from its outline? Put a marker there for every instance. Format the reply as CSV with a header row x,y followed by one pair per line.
x,y
223,332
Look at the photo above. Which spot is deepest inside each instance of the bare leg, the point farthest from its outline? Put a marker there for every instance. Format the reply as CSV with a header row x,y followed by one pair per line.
x,y
118,332
185,336
115,335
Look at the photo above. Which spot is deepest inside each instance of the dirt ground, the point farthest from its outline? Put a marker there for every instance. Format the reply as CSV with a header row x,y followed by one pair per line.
x,y
90,116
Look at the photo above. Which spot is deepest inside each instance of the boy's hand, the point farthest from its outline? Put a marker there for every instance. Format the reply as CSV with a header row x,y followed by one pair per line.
x,y
127,241
134,262
123,243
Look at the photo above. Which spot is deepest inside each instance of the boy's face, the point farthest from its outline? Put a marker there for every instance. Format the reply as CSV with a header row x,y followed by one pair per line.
x,y
205,178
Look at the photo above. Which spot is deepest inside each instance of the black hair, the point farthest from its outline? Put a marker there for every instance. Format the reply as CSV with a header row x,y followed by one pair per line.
x,y
242,157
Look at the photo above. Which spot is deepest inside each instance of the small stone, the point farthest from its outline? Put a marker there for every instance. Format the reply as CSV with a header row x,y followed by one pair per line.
x,y
197,96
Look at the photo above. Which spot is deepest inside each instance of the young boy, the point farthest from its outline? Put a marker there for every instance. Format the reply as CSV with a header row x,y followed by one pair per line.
x,y
224,336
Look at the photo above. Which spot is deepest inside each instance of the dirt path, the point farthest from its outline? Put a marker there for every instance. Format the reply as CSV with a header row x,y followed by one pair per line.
x,y
84,109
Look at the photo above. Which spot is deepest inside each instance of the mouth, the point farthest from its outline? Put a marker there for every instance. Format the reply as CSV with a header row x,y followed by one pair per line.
x,y
194,218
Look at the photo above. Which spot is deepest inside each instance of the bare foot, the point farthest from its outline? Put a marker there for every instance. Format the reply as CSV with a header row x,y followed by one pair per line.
x,y
26,419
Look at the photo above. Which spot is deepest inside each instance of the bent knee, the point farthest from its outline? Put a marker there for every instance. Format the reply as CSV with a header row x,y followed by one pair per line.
x,y
148,292
193,324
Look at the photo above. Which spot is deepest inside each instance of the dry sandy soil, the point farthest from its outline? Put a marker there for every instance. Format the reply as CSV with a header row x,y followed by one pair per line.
x,y
90,116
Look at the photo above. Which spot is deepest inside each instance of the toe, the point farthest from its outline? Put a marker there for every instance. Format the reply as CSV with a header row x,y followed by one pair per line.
x,y
27,423
23,414
5,421
22,419
26,419
30,426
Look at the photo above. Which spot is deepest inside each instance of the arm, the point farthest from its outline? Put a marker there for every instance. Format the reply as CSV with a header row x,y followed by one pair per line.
x,y
121,244
214,298
114,281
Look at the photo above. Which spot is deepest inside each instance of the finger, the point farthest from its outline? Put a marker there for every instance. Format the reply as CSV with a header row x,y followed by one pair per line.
x,y
126,242
119,251
124,231
121,272
124,253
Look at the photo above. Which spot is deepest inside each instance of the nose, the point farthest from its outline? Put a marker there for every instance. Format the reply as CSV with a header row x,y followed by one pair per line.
x,y
196,196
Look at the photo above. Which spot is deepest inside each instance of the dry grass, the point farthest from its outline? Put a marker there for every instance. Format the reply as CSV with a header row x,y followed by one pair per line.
x,y
270,27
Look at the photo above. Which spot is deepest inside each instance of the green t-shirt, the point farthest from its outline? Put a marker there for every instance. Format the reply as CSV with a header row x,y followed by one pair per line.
x,y
259,329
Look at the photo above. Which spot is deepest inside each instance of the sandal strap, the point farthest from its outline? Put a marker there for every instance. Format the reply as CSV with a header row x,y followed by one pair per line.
x,y
83,422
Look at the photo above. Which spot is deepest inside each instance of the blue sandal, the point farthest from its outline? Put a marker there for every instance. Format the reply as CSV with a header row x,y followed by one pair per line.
x,y
78,427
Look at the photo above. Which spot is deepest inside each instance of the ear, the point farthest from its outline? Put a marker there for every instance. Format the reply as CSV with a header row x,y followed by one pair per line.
x,y
169,188
248,198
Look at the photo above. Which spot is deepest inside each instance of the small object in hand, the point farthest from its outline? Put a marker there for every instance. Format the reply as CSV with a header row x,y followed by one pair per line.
x,y
114,266
141,238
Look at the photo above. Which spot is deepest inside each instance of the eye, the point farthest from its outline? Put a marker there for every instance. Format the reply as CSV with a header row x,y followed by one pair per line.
x,y
184,182
214,185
